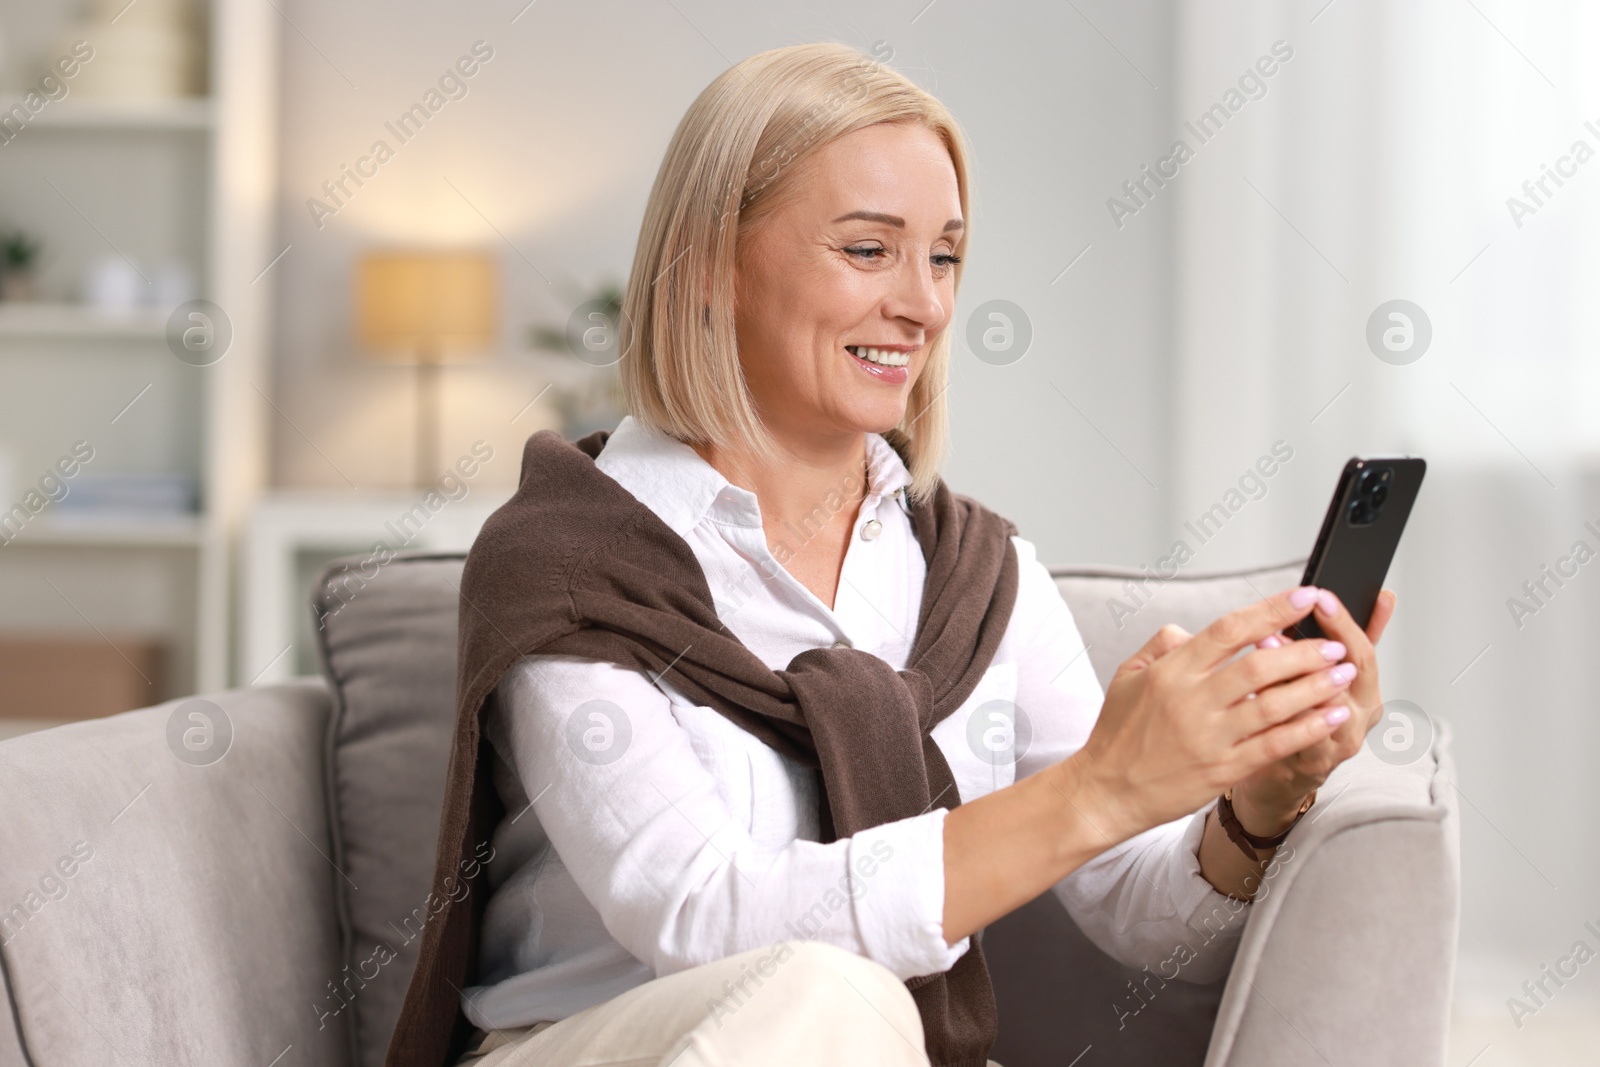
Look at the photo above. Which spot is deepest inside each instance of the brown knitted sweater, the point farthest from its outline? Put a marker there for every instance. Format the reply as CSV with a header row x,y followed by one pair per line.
x,y
574,564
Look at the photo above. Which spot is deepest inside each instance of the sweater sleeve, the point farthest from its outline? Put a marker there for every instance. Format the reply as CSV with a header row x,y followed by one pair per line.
x,y
686,866
1144,902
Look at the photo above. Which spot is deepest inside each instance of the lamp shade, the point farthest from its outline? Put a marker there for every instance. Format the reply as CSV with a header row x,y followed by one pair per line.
x,y
426,305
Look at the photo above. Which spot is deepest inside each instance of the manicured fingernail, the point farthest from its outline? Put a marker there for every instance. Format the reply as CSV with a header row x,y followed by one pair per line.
x,y
1327,602
1302,597
1333,651
1337,715
1272,641
1342,673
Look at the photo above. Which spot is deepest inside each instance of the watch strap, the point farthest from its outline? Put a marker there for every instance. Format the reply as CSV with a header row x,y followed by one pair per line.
x,y
1250,844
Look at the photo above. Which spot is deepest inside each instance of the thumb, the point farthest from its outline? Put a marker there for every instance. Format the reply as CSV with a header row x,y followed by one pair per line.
x,y
1382,612
1161,642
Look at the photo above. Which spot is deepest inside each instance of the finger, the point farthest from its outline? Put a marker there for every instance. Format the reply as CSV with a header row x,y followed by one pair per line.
x,y
1164,640
1256,671
1337,622
1285,739
1170,637
1382,612
1344,742
1249,624
1284,701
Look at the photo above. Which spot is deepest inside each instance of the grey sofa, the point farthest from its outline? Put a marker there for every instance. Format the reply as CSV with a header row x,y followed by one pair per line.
x,y
240,879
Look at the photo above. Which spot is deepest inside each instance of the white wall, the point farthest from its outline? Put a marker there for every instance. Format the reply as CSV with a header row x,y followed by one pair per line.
x,y
1378,167
556,146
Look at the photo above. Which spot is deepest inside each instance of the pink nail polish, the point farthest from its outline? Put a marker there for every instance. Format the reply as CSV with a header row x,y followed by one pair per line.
x,y
1302,597
1271,641
1342,674
1337,715
1327,602
1333,651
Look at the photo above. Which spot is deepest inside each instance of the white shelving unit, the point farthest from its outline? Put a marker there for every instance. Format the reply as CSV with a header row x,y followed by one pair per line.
x,y
115,531
288,526
64,320
143,179
182,114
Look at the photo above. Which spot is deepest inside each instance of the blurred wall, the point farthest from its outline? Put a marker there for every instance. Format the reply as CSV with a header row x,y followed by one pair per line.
x,y
1173,346
548,159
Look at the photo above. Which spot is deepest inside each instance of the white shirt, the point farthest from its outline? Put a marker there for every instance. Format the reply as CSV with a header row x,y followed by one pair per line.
x,y
661,836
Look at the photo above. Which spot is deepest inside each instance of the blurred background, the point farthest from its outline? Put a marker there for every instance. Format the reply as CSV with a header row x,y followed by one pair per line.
x,y
1202,233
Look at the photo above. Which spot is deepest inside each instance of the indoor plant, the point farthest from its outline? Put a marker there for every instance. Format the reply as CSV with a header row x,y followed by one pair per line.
x,y
19,255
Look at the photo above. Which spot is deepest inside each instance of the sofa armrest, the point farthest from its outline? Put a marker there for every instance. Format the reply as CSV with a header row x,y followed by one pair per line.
x,y
1350,950
161,906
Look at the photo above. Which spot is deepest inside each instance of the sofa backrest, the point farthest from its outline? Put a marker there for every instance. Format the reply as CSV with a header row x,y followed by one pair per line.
x,y
388,645
1118,609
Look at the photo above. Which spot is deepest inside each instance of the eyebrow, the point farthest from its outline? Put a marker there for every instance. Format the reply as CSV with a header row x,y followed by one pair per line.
x,y
894,220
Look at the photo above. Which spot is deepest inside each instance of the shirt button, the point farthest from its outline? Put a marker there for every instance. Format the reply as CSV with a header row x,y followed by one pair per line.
x,y
842,644
871,529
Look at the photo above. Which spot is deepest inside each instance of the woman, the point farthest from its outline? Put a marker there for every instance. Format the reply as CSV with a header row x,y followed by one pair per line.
x,y
777,722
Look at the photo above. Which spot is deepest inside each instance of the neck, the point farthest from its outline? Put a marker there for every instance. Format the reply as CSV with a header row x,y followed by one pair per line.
x,y
796,484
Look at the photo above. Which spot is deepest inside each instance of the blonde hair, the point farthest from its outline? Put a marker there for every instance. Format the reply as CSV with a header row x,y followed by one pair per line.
x,y
733,157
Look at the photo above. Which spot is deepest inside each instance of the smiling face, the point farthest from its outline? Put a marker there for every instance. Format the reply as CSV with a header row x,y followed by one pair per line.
x,y
842,290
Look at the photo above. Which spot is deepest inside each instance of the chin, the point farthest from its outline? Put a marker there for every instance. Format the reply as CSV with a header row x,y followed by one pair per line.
x,y
878,418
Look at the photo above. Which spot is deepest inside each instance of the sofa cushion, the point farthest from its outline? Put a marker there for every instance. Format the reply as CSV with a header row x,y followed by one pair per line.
x,y
387,636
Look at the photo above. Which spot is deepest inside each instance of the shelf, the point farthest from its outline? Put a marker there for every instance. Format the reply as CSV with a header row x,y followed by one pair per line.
x,y
111,531
182,113
39,319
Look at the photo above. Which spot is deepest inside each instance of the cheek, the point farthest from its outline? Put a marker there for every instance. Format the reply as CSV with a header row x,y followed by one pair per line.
x,y
774,348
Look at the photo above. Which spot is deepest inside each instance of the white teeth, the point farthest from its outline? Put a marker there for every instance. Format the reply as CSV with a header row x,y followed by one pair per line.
x,y
881,356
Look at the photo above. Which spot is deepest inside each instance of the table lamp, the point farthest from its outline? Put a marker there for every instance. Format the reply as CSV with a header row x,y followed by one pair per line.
x,y
426,308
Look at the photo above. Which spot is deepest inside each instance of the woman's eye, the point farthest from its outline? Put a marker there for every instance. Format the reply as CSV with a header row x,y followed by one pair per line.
x,y
941,260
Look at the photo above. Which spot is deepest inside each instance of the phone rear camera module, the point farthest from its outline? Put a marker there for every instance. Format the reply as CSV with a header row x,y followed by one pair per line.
x,y
1371,491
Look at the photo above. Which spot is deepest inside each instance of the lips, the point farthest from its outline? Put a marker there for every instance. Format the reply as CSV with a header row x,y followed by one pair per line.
x,y
883,357
877,363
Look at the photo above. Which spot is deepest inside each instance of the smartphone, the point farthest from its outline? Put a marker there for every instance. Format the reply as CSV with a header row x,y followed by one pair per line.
x,y
1360,534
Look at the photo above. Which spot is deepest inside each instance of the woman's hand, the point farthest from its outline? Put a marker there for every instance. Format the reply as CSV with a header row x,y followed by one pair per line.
x,y
1267,800
1180,724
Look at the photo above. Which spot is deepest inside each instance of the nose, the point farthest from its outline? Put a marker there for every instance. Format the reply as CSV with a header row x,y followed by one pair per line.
x,y
916,296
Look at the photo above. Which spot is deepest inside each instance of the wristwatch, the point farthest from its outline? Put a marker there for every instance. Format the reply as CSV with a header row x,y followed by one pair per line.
x,y
1249,843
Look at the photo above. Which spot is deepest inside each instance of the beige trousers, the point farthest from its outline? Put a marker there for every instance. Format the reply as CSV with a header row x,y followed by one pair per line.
x,y
793,1004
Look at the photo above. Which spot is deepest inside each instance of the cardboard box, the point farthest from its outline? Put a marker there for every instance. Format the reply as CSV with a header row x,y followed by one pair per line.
x,y
78,677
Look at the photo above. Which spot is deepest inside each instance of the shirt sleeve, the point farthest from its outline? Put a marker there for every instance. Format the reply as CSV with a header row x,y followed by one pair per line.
x,y
649,837
1144,902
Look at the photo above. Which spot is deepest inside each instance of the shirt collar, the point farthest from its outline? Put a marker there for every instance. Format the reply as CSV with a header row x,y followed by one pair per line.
x,y
670,478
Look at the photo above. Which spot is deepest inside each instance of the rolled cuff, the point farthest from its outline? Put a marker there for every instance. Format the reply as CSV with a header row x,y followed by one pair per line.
x,y
897,884
1216,919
